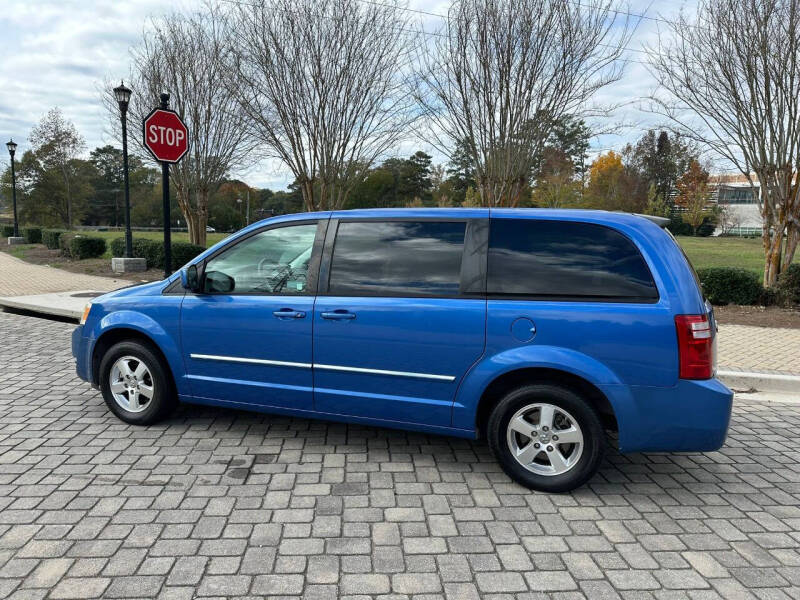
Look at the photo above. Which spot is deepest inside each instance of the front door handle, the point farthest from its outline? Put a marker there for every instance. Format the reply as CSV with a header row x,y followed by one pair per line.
x,y
288,313
338,315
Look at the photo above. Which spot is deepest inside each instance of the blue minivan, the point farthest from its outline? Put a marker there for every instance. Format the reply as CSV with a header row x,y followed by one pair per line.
x,y
536,329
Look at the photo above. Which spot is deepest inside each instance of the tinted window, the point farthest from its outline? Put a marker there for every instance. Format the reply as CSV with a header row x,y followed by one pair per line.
x,y
565,260
271,262
397,258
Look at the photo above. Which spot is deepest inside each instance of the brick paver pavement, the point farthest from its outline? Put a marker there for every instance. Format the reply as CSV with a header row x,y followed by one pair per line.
x,y
220,503
20,278
759,349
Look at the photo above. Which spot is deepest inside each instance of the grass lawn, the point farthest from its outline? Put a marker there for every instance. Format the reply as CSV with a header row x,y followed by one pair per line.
x,y
744,253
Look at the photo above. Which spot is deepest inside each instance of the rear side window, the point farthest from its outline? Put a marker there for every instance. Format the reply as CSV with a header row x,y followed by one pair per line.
x,y
397,258
566,260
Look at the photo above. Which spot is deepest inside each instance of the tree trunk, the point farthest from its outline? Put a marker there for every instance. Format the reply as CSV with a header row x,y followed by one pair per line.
x,y
772,256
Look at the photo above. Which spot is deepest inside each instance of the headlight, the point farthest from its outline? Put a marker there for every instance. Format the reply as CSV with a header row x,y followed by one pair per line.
x,y
86,310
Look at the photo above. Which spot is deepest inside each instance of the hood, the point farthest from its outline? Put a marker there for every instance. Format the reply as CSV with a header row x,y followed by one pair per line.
x,y
136,289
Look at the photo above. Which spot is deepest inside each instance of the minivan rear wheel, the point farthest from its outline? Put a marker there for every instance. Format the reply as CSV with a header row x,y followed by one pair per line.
x,y
546,437
135,383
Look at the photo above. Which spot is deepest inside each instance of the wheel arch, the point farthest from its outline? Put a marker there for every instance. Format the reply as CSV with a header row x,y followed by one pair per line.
x,y
504,383
113,336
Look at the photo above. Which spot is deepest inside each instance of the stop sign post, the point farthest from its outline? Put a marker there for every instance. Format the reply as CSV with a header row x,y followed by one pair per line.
x,y
167,139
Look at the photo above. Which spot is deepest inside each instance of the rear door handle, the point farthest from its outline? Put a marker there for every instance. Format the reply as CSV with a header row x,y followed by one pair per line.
x,y
289,313
338,315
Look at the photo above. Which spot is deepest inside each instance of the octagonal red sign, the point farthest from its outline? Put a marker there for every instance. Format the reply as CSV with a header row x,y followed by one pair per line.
x,y
165,135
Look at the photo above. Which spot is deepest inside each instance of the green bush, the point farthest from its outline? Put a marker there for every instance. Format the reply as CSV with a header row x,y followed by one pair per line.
x,y
788,291
32,235
117,247
183,252
50,238
64,243
726,285
78,247
86,246
150,250
8,230
153,251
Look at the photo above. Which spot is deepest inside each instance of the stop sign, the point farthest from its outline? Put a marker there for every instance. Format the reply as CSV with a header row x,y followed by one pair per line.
x,y
165,135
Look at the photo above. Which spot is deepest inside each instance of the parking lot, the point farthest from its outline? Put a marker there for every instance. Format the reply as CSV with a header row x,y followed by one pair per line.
x,y
231,504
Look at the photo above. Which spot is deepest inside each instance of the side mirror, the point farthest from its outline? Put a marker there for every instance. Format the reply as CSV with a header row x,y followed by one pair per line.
x,y
190,279
217,282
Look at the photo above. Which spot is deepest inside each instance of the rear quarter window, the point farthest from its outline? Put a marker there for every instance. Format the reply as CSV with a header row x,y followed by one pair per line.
x,y
565,260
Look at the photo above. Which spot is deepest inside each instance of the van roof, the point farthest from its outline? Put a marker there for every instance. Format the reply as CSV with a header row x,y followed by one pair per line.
x,y
556,214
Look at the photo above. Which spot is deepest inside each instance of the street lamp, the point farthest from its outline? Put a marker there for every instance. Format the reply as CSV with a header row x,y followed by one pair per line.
x,y
12,148
123,96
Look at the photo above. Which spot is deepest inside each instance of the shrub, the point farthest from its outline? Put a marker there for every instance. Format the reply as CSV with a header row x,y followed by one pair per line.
x,y
86,246
78,247
64,243
50,238
150,250
7,230
32,235
183,252
118,247
725,285
788,291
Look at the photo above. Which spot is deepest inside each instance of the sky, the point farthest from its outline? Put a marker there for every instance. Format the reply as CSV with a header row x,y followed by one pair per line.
x,y
60,53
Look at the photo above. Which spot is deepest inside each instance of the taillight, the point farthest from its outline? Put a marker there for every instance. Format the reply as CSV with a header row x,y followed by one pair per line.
x,y
695,346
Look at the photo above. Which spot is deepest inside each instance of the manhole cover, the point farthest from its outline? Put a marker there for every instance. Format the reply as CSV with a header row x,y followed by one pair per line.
x,y
87,294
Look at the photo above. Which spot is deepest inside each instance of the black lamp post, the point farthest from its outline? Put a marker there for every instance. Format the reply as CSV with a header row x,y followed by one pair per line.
x,y
12,148
123,96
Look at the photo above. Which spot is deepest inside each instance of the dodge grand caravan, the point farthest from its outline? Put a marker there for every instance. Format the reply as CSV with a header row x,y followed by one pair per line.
x,y
537,329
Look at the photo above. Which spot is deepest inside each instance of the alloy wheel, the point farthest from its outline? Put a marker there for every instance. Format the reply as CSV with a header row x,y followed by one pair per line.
x,y
545,439
131,384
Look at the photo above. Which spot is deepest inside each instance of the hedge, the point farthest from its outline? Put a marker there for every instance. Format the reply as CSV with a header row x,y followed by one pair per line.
x,y
50,237
32,235
153,251
726,285
8,230
79,247
183,252
789,286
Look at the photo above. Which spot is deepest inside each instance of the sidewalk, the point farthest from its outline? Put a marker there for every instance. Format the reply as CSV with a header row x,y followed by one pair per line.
x,y
759,349
47,290
20,278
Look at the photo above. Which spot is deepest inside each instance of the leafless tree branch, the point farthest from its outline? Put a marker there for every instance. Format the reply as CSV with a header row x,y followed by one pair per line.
x,y
728,77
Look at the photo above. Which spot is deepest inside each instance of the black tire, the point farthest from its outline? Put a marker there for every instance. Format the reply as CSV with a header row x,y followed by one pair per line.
x,y
164,399
582,412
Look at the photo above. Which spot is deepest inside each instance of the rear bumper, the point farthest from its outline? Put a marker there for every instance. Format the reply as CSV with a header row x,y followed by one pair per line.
x,y
81,349
692,416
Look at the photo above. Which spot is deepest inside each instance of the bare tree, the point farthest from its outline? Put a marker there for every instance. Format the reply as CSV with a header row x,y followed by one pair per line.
x,y
184,55
502,71
57,141
729,79
322,84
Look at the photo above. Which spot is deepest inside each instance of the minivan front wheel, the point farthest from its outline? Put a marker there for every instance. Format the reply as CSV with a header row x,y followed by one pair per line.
x,y
135,384
546,437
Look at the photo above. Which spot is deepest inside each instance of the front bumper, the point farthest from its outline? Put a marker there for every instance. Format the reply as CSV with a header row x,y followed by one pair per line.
x,y
692,416
81,350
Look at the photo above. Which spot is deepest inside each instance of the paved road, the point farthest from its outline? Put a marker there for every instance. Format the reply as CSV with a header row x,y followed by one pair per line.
x,y
20,278
221,503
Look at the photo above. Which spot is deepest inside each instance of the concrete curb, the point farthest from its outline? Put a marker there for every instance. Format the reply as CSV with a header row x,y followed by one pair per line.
x,y
763,382
60,304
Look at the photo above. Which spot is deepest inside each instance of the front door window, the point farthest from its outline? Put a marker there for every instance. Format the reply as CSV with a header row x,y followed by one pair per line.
x,y
275,261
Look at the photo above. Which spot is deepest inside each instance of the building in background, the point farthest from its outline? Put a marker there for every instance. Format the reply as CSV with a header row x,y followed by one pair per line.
x,y
738,202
